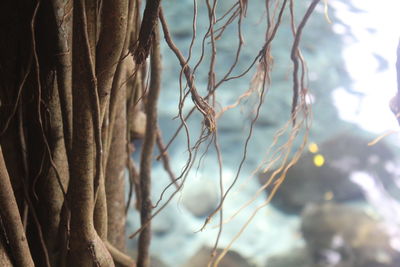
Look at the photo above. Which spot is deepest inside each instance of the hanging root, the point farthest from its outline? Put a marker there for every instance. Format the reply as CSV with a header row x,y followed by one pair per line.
x,y
295,55
147,152
202,106
11,220
149,23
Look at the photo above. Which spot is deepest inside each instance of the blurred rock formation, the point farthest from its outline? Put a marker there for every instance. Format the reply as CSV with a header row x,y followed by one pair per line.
x,y
342,155
202,257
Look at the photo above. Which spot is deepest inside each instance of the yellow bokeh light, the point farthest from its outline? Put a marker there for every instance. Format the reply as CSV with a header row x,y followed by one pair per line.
x,y
313,148
328,195
319,160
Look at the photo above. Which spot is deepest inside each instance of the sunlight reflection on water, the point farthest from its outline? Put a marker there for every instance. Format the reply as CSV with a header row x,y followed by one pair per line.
x,y
370,56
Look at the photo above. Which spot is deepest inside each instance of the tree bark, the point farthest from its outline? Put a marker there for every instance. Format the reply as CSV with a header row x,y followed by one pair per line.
x,y
13,227
86,247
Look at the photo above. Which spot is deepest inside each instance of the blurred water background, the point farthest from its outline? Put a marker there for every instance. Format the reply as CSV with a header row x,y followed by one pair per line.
x,y
338,206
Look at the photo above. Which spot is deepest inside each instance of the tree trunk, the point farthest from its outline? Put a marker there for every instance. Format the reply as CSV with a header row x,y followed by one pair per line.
x,y
63,131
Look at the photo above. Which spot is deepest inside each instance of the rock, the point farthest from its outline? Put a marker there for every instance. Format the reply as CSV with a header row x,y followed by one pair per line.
x,y
200,197
338,235
163,225
296,257
202,257
345,153
154,261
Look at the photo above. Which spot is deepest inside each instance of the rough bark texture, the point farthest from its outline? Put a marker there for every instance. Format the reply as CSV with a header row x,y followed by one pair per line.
x,y
73,97
147,152
58,69
109,47
51,195
11,221
4,257
115,177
